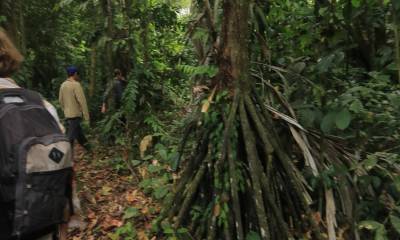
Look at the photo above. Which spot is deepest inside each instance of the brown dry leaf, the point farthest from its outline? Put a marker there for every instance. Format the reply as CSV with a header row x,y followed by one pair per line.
x,y
110,223
142,172
217,210
145,210
317,217
205,106
115,209
131,196
91,215
142,236
145,144
148,225
208,102
105,190
92,224
199,89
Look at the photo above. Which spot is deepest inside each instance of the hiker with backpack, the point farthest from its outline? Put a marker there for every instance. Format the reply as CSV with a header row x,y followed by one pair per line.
x,y
73,102
35,159
116,90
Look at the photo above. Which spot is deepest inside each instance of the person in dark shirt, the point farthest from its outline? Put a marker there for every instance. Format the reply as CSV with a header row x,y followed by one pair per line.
x,y
116,90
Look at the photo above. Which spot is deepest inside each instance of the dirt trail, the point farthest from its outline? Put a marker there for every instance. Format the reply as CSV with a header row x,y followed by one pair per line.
x,y
105,195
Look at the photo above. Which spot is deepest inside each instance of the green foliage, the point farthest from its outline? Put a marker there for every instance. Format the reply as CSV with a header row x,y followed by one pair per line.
x,y
158,182
209,71
131,93
126,232
131,213
340,78
381,215
253,236
379,229
174,234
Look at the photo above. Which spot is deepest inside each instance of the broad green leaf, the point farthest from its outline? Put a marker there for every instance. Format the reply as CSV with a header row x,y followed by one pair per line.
x,y
356,3
182,230
356,106
163,154
328,122
369,225
169,231
395,222
376,181
113,236
131,213
380,233
343,119
396,182
325,63
136,163
154,168
174,161
160,192
307,117
370,162
253,236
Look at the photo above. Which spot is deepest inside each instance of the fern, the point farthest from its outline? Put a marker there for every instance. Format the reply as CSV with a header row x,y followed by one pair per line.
x,y
110,125
203,70
155,124
130,97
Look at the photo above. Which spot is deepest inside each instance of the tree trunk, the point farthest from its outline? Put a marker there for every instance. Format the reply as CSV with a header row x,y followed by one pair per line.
x,y
92,71
396,29
108,13
245,175
235,47
145,35
127,7
14,25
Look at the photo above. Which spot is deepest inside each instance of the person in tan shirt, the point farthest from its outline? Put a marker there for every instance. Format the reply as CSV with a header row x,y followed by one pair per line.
x,y
73,102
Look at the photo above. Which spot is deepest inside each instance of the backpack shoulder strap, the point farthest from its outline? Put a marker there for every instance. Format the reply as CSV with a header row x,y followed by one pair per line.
x,y
20,95
4,83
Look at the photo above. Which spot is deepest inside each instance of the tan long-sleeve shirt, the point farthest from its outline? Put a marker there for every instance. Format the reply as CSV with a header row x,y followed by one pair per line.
x,y
73,100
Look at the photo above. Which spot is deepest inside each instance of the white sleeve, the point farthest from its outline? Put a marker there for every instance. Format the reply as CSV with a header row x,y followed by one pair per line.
x,y
53,111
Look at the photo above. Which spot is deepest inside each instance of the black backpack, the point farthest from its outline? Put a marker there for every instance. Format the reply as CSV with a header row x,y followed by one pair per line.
x,y
35,167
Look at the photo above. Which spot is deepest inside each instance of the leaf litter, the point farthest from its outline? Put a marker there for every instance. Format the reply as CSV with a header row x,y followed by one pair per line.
x,y
109,199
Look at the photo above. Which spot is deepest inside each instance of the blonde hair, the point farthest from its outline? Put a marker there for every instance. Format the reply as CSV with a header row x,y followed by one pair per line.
x,y
10,57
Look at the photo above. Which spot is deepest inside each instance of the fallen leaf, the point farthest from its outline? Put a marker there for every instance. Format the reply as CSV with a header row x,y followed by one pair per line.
x,y
199,89
91,215
217,210
143,172
131,196
208,102
145,144
145,210
105,190
317,217
110,223
142,236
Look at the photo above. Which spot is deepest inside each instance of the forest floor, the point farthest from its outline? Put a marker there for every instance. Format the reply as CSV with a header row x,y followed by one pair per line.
x,y
105,195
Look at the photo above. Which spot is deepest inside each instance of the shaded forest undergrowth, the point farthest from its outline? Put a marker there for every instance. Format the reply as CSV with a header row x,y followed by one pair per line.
x,y
109,199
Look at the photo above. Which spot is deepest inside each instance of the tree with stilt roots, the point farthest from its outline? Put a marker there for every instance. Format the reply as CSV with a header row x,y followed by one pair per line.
x,y
254,172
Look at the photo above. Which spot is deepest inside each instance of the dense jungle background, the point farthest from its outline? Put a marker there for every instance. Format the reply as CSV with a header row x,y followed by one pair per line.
x,y
257,119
